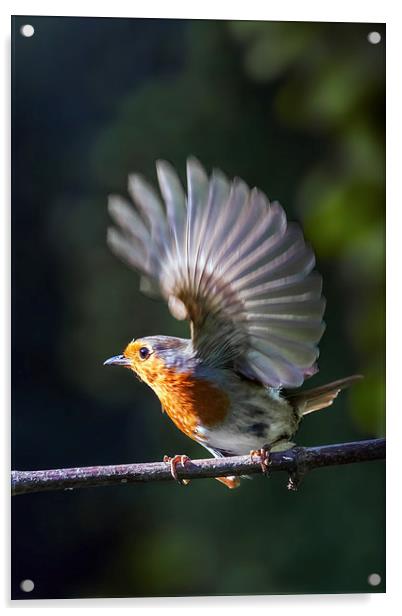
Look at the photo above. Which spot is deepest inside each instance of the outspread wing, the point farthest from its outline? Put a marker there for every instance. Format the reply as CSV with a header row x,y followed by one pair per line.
x,y
225,258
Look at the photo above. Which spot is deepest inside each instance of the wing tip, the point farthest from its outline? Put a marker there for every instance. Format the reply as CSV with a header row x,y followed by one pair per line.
x,y
115,204
194,161
113,240
161,164
137,181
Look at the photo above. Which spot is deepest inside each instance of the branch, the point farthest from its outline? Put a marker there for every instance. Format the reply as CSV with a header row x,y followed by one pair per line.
x,y
296,462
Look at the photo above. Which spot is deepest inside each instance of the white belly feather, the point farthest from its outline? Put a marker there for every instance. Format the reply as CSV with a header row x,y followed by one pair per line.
x,y
258,416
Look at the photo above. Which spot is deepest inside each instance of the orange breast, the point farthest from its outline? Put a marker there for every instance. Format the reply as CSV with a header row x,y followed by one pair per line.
x,y
191,402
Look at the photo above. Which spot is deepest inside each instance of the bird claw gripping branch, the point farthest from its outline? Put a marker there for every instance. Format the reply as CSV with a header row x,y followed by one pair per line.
x,y
225,258
263,455
177,459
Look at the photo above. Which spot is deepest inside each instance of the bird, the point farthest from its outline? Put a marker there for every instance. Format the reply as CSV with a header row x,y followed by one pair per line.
x,y
225,258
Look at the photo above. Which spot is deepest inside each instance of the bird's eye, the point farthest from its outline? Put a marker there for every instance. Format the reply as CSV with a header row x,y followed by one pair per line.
x,y
144,352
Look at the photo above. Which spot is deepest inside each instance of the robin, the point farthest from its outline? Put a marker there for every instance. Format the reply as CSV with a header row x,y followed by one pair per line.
x,y
226,259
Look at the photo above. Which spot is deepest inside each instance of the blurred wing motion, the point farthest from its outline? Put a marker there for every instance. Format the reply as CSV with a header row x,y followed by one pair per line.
x,y
226,259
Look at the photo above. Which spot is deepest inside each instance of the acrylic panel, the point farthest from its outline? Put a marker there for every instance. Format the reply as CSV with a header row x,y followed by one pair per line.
x,y
296,109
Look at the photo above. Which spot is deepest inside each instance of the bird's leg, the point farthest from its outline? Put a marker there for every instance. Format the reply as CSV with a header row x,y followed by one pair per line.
x,y
177,459
263,455
231,482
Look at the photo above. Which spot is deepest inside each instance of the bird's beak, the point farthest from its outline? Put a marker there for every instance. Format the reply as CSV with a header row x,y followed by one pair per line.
x,y
117,360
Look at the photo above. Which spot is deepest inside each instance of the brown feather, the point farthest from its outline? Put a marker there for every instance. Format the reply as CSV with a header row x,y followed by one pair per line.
x,y
318,398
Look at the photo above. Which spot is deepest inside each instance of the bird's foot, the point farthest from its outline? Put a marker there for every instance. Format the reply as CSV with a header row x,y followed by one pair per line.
x,y
174,461
263,455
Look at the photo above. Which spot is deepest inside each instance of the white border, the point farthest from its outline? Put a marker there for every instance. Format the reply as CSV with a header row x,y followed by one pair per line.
x,y
308,10
286,10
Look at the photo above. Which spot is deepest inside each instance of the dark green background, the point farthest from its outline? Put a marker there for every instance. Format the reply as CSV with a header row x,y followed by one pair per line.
x,y
294,108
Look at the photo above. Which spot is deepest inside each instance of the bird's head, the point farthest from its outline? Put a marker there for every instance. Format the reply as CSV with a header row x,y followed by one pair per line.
x,y
149,358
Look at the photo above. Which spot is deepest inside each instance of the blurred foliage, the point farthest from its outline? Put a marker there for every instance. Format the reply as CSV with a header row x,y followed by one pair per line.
x,y
294,108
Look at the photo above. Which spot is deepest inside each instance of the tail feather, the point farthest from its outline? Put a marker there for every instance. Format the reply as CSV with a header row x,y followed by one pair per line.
x,y
311,400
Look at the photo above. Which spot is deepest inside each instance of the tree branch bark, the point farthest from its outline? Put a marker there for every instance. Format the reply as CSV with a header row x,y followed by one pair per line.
x,y
296,462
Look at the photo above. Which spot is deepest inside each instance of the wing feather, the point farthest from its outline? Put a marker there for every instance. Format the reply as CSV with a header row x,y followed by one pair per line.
x,y
225,258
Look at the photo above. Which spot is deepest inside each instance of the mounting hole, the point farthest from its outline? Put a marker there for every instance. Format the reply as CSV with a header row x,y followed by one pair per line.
x,y
374,38
27,585
27,30
374,579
